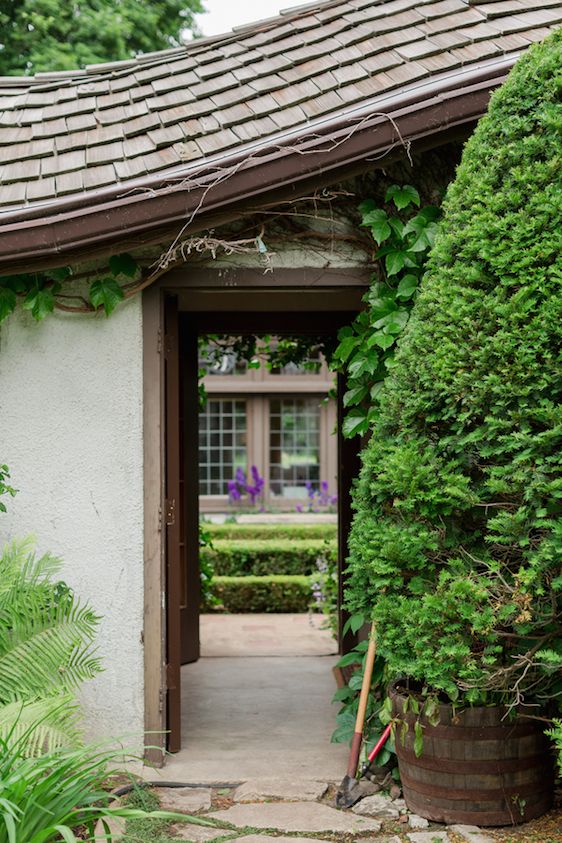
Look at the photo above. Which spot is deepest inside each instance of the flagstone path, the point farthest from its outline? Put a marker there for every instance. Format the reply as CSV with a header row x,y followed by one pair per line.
x,y
302,811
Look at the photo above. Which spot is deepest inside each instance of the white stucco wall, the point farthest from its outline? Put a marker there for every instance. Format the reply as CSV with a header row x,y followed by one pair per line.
x,y
71,432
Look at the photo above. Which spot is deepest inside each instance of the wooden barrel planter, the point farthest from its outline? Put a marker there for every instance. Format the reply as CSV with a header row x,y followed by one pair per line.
x,y
475,768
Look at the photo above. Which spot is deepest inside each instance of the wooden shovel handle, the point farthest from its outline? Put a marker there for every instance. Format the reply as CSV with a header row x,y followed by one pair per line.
x,y
363,700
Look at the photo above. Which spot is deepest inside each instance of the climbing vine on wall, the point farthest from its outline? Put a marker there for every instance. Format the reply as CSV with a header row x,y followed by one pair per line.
x,y
403,237
401,234
5,488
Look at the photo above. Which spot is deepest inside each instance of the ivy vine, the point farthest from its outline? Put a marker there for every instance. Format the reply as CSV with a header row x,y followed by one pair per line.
x,y
5,488
41,292
403,238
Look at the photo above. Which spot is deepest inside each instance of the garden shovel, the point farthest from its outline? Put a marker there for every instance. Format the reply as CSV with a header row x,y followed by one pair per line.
x,y
349,792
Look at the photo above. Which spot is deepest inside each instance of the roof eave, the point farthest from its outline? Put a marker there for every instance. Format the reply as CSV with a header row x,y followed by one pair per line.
x,y
65,232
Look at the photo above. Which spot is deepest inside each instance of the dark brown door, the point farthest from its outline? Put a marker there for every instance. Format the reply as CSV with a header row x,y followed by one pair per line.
x,y
189,532
173,523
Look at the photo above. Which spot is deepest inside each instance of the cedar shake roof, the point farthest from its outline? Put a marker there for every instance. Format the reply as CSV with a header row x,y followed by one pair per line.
x,y
117,133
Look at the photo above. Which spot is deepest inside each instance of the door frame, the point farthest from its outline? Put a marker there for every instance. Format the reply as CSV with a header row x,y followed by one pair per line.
x,y
347,285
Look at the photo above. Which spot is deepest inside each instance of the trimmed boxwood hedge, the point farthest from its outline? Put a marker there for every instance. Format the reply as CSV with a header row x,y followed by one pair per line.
x,y
263,594
239,532
274,556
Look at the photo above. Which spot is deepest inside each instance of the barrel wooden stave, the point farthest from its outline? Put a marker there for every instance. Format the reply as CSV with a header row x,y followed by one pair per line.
x,y
476,767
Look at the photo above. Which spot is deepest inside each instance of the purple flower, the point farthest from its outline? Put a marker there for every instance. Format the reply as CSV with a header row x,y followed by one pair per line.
x,y
298,507
233,491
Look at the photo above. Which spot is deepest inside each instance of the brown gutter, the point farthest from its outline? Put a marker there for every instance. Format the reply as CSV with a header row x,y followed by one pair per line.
x,y
31,237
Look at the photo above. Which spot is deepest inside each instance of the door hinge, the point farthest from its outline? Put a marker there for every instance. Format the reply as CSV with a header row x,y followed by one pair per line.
x,y
170,512
161,697
159,341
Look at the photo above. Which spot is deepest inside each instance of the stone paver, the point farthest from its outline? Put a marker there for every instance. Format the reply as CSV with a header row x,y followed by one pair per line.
x,y
393,839
429,837
416,822
400,804
471,833
198,833
377,806
264,838
295,816
290,790
185,799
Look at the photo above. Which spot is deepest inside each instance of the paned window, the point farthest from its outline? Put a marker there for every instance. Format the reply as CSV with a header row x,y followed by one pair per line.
x,y
294,446
222,444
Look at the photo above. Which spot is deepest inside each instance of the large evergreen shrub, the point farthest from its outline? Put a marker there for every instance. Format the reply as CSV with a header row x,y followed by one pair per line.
x,y
457,540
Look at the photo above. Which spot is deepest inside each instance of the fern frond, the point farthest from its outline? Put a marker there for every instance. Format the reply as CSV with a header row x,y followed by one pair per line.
x,y
46,635
40,726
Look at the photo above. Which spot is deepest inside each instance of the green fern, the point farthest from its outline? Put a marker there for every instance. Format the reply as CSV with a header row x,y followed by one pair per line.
x,y
46,640
48,724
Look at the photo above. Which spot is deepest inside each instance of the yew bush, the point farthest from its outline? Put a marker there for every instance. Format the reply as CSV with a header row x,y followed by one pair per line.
x,y
457,538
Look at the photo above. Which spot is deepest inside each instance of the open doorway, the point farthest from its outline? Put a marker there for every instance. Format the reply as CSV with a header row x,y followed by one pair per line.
x,y
268,631
208,693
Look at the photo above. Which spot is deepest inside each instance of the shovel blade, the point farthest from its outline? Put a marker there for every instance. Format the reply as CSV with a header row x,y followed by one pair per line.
x,y
349,793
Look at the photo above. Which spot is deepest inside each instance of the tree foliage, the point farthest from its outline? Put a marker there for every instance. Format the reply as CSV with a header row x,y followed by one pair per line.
x,y
45,35
457,540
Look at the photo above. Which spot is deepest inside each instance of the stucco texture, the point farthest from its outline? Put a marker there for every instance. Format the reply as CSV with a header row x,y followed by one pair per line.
x,y
71,431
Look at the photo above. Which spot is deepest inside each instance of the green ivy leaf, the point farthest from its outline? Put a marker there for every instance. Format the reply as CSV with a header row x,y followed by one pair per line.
x,y
349,658
355,423
383,340
343,694
394,262
19,283
123,264
366,206
40,302
432,712
59,274
418,739
346,331
377,221
366,362
407,287
8,300
346,347
355,395
356,681
402,196
106,293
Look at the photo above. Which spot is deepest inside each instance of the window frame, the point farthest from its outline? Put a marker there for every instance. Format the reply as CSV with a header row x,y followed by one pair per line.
x,y
256,387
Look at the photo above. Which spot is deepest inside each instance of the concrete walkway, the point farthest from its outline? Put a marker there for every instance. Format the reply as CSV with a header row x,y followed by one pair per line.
x,y
234,636
262,709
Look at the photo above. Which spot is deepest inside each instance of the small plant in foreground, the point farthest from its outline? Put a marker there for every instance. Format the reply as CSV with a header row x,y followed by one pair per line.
x,y
46,639
5,488
49,798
